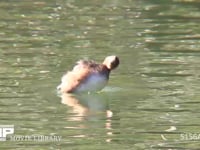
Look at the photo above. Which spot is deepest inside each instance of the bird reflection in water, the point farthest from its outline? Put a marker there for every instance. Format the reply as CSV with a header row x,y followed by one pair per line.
x,y
91,107
86,106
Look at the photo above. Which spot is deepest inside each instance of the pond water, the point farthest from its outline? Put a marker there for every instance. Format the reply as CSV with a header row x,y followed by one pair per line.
x,y
151,101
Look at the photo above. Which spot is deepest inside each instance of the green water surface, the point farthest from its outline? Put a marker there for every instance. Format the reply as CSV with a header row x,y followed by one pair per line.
x,y
152,99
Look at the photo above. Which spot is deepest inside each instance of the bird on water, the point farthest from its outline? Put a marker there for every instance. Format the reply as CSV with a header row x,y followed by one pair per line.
x,y
88,76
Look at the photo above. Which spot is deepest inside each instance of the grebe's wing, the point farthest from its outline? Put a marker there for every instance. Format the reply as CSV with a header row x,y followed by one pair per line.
x,y
72,79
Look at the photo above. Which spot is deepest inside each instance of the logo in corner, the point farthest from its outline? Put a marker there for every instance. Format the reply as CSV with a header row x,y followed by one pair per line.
x,y
5,130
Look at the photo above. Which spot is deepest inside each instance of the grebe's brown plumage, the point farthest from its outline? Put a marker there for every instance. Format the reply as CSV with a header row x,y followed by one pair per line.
x,y
88,75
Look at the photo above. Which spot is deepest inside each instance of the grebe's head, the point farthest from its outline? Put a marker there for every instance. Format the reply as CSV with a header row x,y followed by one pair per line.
x,y
111,62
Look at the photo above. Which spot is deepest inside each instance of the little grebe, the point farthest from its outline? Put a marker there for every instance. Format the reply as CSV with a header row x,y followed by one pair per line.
x,y
88,76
